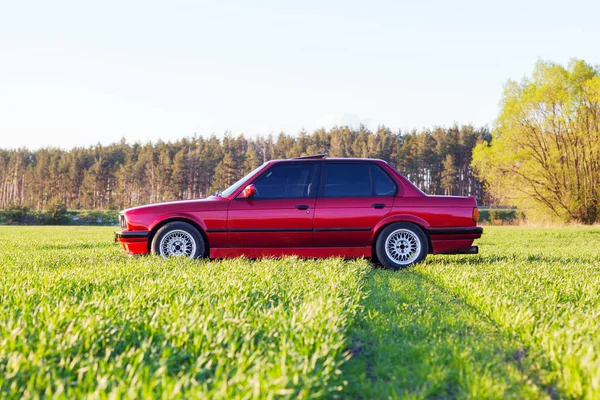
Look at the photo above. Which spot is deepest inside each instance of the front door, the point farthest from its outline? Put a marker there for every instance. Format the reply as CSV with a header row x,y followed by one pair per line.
x,y
354,196
280,214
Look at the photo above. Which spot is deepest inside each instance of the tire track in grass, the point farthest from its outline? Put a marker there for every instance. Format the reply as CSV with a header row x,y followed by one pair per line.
x,y
78,319
529,369
541,287
416,340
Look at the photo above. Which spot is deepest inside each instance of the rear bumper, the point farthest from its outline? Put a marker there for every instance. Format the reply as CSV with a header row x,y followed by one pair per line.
x,y
454,240
135,242
469,250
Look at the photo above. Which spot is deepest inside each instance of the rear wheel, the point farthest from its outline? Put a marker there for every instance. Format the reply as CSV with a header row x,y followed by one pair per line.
x,y
401,244
178,239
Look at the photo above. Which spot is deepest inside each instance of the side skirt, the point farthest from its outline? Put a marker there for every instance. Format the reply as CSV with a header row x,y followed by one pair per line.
x,y
302,252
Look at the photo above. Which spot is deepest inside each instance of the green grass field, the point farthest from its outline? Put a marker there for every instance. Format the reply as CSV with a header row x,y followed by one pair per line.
x,y
80,319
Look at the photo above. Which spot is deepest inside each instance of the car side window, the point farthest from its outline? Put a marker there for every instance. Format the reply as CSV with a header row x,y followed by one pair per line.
x,y
285,181
347,180
383,185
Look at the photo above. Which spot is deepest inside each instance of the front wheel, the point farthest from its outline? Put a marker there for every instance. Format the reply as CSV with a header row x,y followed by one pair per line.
x,y
178,239
400,245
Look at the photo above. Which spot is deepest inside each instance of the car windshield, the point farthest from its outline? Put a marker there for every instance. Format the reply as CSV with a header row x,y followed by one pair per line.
x,y
229,191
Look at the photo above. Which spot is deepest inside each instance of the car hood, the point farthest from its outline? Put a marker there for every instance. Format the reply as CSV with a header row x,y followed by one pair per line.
x,y
195,204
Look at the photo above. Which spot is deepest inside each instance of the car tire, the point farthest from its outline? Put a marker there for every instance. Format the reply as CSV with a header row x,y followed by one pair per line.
x,y
178,239
400,245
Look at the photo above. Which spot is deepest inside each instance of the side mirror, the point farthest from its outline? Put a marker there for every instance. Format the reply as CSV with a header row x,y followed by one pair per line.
x,y
248,191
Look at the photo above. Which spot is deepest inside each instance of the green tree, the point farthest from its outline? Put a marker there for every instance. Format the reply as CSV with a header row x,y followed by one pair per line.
x,y
252,159
180,174
545,150
449,176
224,173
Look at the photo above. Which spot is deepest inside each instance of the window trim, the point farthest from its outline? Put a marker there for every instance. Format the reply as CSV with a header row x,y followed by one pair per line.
x,y
314,180
370,164
374,165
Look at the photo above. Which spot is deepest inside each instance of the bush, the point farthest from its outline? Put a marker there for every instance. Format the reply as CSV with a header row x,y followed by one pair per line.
x,y
499,216
56,212
15,214
94,217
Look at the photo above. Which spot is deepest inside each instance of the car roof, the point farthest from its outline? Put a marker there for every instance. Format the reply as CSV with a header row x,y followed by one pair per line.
x,y
302,159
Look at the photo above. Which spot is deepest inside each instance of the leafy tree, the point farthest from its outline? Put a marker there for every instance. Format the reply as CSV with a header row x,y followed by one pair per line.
x,y
545,151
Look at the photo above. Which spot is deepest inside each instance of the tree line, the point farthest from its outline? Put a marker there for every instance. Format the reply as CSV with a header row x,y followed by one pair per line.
x,y
125,174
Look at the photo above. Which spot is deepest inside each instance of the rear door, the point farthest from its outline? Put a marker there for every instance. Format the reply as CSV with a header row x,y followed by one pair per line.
x,y
353,197
281,212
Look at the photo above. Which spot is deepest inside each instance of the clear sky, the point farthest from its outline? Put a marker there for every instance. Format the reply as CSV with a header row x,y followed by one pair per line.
x,y
77,73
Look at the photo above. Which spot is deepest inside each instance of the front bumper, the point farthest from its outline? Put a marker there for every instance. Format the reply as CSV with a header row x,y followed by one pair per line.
x,y
134,242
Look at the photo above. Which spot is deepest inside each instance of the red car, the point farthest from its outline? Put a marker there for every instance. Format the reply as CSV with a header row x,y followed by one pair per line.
x,y
309,207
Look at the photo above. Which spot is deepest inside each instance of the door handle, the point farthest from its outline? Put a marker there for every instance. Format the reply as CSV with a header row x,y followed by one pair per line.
x,y
378,205
302,207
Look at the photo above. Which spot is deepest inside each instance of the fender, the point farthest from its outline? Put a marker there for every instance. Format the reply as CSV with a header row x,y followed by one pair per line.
x,y
181,215
397,218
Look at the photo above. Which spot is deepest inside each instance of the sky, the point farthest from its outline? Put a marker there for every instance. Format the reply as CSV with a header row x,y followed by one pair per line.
x,y
77,73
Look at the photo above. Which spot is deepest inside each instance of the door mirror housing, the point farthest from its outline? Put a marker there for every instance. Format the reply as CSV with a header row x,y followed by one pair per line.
x,y
248,191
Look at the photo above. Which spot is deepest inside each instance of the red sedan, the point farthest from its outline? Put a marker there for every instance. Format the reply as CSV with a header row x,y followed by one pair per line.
x,y
309,207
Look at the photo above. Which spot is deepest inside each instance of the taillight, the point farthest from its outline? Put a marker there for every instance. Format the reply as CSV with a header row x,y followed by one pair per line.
x,y
475,214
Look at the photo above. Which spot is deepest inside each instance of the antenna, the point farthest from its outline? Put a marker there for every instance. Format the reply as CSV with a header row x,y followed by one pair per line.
x,y
316,156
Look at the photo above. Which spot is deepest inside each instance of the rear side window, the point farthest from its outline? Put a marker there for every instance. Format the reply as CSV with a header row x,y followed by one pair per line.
x,y
347,180
285,181
383,185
